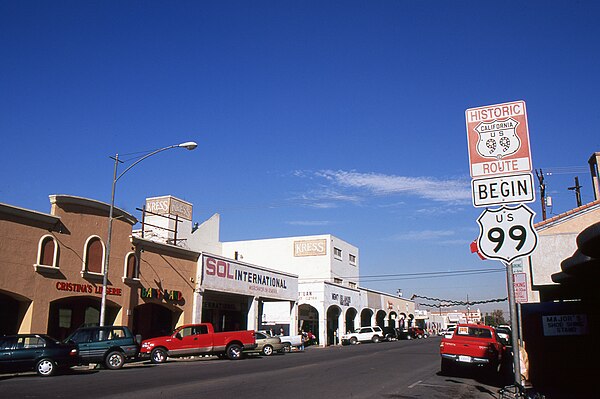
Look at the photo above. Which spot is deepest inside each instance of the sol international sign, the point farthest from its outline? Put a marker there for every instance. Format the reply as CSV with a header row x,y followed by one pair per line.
x,y
498,139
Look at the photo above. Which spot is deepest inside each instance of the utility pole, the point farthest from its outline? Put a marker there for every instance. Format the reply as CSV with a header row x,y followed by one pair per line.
x,y
540,176
577,189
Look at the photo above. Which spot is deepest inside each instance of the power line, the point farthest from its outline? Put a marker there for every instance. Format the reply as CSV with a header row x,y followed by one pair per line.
x,y
412,276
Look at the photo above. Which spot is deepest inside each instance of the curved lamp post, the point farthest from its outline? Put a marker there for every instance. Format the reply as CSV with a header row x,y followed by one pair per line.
x,y
190,145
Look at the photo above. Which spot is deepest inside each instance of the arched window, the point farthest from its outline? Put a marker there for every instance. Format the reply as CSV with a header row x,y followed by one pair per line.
x,y
94,256
131,267
47,258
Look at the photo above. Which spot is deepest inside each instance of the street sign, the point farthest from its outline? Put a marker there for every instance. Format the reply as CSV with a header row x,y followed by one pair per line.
x,y
520,286
498,139
507,233
503,190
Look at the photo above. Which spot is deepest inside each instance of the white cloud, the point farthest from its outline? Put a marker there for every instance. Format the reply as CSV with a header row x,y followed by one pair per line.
x,y
423,235
309,223
449,190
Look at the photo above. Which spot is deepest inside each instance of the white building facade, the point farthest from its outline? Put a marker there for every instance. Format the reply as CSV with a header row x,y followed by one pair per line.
x,y
330,300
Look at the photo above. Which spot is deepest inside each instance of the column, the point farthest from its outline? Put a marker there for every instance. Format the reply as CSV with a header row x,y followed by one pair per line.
x,y
253,313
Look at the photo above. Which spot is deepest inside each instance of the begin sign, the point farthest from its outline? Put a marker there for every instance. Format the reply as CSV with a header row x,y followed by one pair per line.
x,y
501,190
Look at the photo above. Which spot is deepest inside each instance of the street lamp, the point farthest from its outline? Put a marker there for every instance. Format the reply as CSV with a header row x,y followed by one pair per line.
x,y
190,145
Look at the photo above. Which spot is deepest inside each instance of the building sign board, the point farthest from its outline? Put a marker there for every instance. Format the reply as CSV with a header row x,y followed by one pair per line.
x,y
566,324
310,247
169,205
498,139
231,276
500,190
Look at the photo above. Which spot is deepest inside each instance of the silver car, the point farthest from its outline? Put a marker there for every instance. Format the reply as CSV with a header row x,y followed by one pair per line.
x,y
267,345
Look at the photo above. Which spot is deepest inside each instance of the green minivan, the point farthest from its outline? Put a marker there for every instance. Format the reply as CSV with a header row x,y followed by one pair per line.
x,y
111,346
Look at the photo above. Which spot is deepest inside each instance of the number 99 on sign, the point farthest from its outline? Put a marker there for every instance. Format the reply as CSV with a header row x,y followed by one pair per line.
x,y
507,233
516,233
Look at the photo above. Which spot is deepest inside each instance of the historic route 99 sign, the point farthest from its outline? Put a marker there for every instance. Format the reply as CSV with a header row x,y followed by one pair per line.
x,y
507,233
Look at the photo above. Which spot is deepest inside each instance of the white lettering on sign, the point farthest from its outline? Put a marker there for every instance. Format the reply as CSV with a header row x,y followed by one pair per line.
x,y
570,324
503,190
310,247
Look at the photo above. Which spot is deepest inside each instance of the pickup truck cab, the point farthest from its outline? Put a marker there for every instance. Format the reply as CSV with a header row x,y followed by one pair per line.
x,y
363,334
471,345
198,339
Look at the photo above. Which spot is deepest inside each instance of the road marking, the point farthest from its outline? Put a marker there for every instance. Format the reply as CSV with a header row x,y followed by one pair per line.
x,y
415,384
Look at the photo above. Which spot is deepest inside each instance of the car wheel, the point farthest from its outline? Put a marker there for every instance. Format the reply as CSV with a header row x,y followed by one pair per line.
x,y
234,352
267,350
420,336
158,355
375,338
114,360
287,348
45,367
353,341
409,337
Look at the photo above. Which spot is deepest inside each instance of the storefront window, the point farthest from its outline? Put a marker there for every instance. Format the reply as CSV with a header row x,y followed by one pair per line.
x,y
92,315
64,318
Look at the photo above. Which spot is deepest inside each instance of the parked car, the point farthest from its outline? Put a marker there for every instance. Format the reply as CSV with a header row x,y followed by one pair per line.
x,y
288,341
472,345
198,339
110,346
39,352
391,333
363,334
505,334
449,332
267,345
417,333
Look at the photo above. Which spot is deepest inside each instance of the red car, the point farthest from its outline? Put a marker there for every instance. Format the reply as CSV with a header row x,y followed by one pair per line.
x,y
472,345
198,339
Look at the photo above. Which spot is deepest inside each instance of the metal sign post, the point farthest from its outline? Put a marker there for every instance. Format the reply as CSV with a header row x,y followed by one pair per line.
x,y
514,324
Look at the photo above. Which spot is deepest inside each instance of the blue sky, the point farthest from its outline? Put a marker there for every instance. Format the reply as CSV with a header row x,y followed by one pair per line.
x,y
312,117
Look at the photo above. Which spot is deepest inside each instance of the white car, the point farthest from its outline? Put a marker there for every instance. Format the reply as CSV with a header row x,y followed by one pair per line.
x,y
449,332
363,334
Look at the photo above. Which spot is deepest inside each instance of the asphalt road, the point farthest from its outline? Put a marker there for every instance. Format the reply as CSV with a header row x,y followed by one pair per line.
x,y
402,369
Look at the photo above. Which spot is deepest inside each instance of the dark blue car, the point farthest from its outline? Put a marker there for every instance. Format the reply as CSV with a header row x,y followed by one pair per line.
x,y
38,352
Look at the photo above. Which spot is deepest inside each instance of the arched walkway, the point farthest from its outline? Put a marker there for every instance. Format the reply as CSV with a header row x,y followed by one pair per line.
x,y
333,326
68,314
12,309
350,319
380,318
153,320
366,315
308,319
392,320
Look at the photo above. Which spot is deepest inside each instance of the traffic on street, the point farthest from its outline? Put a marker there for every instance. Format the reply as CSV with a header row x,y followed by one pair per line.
x,y
401,368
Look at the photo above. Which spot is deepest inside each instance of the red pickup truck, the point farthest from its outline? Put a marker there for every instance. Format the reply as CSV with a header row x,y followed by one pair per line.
x,y
473,345
198,339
